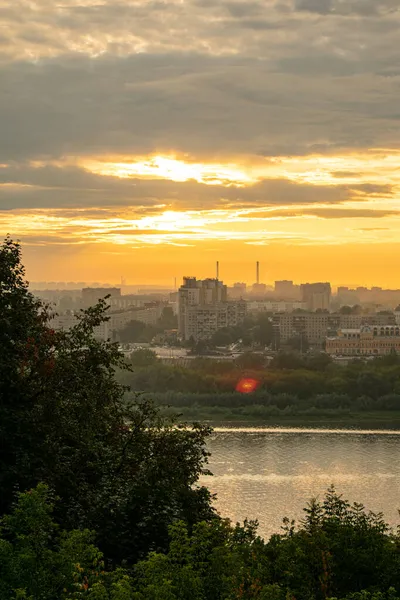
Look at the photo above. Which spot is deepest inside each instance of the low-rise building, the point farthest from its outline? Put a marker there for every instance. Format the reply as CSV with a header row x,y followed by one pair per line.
x,y
315,327
117,320
365,341
274,306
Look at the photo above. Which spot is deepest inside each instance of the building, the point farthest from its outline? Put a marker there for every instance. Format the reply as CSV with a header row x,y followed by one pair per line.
x,y
237,291
203,321
365,341
117,320
91,296
374,296
274,306
312,327
204,308
287,290
69,319
315,327
316,295
258,289
356,321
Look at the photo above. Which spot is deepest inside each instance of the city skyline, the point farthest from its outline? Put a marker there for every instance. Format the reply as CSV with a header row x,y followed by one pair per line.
x,y
152,139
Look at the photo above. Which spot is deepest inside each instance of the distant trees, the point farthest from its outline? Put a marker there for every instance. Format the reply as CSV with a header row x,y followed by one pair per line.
x,y
136,331
143,357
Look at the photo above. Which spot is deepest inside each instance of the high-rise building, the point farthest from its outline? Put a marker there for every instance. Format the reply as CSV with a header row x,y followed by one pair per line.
x,y
204,308
316,295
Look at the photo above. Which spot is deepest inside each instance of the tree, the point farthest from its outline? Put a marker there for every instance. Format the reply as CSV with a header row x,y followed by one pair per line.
x,y
168,319
250,360
339,549
318,361
118,467
298,342
222,337
143,357
37,559
288,360
136,331
263,332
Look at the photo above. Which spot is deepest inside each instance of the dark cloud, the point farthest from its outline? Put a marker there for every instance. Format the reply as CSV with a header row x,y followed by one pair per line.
x,y
363,8
203,77
196,104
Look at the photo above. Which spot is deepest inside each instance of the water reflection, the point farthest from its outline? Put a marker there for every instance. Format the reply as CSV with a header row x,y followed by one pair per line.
x,y
271,473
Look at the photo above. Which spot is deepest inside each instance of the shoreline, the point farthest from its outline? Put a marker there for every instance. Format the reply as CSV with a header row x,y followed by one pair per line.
x,y
371,420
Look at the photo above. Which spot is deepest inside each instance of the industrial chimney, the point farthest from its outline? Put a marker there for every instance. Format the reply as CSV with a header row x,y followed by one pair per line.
x,y
217,269
257,272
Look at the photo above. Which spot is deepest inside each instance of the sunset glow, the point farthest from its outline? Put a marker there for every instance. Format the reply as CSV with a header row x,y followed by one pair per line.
x,y
165,137
170,168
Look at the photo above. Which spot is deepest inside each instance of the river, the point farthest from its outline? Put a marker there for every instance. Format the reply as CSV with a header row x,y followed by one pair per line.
x,y
266,474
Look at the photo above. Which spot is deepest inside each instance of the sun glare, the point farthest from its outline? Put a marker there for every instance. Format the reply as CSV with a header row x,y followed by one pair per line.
x,y
162,167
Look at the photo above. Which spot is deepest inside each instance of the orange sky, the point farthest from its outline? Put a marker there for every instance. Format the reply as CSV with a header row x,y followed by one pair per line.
x,y
149,140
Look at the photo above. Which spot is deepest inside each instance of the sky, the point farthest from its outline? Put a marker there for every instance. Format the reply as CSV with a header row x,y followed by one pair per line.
x,y
148,139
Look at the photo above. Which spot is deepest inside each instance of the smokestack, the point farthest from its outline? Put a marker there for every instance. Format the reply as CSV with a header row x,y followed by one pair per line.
x,y
257,272
217,269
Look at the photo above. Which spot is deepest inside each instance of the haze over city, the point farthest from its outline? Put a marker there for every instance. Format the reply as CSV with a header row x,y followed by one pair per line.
x,y
149,139
199,299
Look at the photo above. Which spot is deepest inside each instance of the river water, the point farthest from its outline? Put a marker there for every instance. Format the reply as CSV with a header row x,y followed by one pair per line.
x,y
266,474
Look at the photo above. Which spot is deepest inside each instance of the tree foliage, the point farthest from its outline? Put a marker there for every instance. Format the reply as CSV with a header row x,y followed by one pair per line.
x,y
118,467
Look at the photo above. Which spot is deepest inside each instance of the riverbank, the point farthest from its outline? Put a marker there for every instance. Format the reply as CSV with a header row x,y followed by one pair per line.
x,y
254,416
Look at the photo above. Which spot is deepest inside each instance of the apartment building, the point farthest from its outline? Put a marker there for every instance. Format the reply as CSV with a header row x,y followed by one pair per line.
x,y
317,296
204,308
365,341
203,321
313,327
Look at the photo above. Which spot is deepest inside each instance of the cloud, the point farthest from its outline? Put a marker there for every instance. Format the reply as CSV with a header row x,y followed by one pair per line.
x,y
328,213
373,229
210,81
199,77
26,186
363,8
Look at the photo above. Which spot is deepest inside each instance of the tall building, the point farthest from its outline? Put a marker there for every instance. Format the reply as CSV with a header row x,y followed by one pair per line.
x,y
204,308
90,296
316,295
286,290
